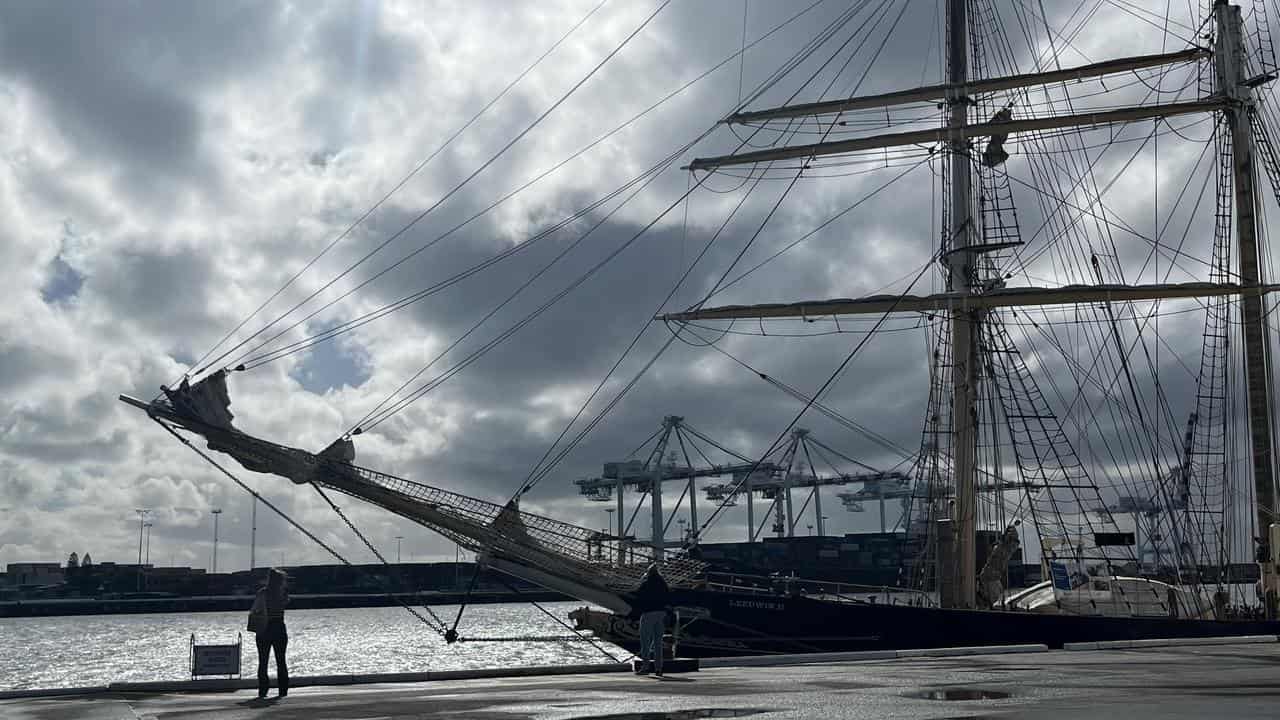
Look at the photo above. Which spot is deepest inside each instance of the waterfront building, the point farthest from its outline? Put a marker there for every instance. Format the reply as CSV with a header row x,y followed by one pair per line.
x,y
34,573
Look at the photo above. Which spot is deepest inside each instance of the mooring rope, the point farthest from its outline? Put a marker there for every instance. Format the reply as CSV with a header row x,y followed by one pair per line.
x,y
291,521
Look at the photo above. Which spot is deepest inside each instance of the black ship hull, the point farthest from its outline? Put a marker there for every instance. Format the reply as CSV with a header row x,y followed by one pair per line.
x,y
717,624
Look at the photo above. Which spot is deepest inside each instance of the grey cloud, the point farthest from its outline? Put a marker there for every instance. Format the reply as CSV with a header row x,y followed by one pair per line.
x,y
65,433
120,79
167,293
356,50
21,364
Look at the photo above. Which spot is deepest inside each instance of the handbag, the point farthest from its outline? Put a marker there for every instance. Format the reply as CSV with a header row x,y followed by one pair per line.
x,y
258,615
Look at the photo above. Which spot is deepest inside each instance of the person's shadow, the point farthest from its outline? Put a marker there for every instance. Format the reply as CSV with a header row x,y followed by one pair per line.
x,y
259,701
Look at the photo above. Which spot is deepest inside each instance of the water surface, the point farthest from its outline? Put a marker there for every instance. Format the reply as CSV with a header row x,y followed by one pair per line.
x,y
99,649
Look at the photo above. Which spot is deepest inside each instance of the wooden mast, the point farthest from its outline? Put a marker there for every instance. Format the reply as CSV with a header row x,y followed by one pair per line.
x,y
961,279
1234,86
966,304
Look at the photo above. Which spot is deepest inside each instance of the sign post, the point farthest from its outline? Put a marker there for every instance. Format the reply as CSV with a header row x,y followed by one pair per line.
x,y
216,659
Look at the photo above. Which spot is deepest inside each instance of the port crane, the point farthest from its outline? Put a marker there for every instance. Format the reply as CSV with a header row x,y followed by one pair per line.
x,y
773,480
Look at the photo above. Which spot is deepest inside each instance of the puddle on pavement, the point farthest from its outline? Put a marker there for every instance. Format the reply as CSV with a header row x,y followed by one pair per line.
x,y
681,714
958,694
840,685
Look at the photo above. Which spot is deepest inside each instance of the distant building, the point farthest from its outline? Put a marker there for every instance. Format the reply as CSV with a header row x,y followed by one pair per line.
x,y
46,573
73,562
177,580
109,579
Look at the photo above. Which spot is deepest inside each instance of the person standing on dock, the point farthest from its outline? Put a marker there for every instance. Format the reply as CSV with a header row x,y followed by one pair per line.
x,y
266,620
650,604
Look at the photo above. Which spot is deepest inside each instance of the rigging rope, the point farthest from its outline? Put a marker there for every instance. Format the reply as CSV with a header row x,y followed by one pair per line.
x,y
378,414
450,634
864,199
457,187
826,410
816,396
1050,218
248,357
296,525
1158,248
439,623
542,467
418,168
432,384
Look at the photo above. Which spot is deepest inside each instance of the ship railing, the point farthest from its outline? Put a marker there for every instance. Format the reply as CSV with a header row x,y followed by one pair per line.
x,y
847,592
534,539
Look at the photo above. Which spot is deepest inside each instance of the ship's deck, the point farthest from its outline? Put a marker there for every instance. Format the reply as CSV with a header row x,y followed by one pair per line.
x,y
1227,681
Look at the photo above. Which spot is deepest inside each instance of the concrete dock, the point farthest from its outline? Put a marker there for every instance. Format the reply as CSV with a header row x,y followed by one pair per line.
x,y
1232,681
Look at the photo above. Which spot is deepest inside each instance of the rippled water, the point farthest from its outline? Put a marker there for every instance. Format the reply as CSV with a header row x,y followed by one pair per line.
x,y
95,650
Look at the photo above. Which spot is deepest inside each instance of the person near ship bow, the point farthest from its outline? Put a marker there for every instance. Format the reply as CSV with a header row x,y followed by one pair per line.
x,y
650,603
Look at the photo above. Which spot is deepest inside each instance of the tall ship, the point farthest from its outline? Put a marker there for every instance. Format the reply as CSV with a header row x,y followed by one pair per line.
x,y
1047,433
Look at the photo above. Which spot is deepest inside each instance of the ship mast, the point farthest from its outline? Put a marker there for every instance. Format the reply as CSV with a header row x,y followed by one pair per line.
x,y
966,301
1237,90
960,280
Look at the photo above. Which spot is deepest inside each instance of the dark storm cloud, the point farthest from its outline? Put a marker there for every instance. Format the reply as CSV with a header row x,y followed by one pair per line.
x,y
161,291
21,364
119,79
69,435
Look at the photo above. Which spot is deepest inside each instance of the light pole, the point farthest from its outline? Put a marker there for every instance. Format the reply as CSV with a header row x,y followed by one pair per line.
x,y
810,529
253,535
142,521
608,522
148,526
398,539
216,512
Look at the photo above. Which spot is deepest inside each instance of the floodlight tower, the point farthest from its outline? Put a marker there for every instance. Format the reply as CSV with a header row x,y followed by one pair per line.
x,y
216,512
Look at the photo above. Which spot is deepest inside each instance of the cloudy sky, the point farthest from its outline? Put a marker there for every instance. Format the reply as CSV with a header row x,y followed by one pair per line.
x,y
168,166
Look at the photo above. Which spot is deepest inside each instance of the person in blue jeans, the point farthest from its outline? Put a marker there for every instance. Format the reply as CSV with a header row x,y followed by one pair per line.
x,y
267,617
650,604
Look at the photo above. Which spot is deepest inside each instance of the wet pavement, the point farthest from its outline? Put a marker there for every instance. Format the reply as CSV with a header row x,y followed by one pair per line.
x,y
1237,682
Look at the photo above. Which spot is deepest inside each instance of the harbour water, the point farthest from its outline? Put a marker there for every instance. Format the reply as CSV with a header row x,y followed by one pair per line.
x,y
96,650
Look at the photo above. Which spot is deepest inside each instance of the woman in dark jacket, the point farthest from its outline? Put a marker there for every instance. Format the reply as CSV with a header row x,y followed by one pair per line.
x,y
651,600
267,622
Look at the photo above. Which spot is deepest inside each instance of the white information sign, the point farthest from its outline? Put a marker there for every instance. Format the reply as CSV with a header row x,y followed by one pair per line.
x,y
215,660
